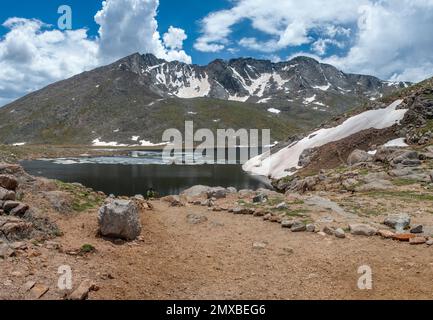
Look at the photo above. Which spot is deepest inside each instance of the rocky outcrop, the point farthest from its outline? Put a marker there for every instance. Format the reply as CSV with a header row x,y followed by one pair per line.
x,y
119,219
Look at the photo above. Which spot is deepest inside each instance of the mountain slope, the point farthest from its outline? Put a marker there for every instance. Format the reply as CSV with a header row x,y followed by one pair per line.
x,y
141,96
406,121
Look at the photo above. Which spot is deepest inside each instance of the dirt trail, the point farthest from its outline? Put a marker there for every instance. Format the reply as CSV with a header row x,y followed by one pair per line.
x,y
216,259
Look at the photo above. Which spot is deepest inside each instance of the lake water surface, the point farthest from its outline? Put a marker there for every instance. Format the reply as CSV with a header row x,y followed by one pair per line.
x,y
137,173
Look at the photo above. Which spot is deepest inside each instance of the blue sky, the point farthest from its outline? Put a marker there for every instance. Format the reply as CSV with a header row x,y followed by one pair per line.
x,y
383,38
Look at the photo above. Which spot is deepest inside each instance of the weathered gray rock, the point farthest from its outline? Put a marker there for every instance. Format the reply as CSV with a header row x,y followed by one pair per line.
x,y
339,233
311,228
298,226
362,230
399,222
285,223
358,156
120,219
195,191
217,193
329,230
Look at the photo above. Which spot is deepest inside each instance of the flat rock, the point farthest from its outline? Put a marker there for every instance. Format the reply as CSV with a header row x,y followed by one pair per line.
x,y
39,290
404,237
386,234
417,240
82,292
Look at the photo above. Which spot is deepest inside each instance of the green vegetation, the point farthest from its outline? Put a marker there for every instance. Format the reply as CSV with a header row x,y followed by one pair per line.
x,y
83,198
87,248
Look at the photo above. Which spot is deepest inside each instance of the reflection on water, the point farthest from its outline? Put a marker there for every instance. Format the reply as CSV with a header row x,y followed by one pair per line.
x,y
135,175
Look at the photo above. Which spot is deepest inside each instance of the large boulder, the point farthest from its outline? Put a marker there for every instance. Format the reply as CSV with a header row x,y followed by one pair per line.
x,y
217,193
398,221
120,219
195,191
358,156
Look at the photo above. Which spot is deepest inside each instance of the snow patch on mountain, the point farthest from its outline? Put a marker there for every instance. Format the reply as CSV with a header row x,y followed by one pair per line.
x,y
277,165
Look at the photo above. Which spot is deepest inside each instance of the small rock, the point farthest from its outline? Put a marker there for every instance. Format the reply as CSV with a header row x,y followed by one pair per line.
x,y
323,234
417,240
260,245
19,210
311,228
362,230
282,206
429,242
339,233
287,223
82,292
260,198
418,229
6,251
298,226
217,193
329,230
18,245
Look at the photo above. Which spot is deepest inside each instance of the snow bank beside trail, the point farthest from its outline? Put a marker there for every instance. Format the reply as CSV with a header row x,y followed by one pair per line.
x,y
278,164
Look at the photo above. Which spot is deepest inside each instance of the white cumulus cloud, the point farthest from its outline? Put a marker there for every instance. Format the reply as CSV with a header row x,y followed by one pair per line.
x,y
34,54
386,38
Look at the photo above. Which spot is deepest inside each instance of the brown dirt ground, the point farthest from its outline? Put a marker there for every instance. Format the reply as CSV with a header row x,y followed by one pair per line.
x,y
216,260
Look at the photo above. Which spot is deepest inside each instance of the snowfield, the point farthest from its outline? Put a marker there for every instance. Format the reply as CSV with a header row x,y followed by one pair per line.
x,y
277,165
